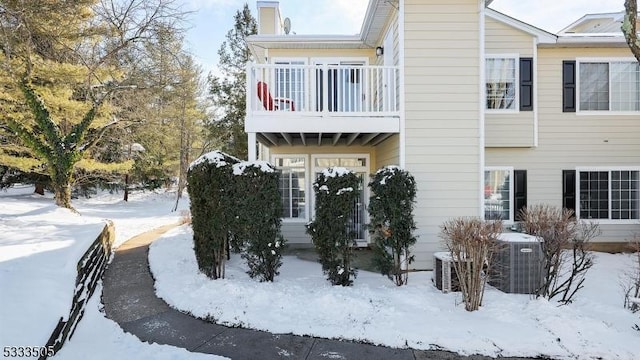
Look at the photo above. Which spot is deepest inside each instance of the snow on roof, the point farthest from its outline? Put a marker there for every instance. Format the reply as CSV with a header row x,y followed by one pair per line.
x,y
239,168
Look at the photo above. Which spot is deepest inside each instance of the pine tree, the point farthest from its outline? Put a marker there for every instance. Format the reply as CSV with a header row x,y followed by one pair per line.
x,y
60,69
228,92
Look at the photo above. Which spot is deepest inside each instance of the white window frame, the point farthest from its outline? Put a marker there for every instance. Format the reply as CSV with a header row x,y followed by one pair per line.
x,y
608,60
609,169
510,169
366,169
516,108
307,187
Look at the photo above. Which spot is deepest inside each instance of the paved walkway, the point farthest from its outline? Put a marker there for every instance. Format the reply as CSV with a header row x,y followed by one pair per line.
x,y
129,299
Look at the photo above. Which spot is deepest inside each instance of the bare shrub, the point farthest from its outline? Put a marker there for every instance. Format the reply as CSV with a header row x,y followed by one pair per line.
x,y
565,248
472,244
631,285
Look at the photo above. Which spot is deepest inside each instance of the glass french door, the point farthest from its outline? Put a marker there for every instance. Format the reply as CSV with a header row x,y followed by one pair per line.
x,y
358,217
344,84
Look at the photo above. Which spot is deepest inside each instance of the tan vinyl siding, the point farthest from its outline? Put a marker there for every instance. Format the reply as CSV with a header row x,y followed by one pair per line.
x,y
512,130
267,18
570,140
388,152
441,108
501,38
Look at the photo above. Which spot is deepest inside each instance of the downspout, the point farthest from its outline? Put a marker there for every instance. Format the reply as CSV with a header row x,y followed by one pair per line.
x,y
481,105
402,140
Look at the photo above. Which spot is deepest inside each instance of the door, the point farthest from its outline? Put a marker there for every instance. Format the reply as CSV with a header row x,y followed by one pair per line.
x,y
344,82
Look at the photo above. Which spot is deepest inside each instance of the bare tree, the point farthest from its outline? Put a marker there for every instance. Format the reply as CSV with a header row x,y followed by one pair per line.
x,y
629,27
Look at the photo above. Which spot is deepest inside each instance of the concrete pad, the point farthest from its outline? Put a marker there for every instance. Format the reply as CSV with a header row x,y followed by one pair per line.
x,y
324,349
248,344
173,328
134,308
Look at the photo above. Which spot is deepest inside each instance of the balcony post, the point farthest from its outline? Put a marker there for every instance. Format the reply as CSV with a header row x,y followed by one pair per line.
x,y
250,78
252,144
325,89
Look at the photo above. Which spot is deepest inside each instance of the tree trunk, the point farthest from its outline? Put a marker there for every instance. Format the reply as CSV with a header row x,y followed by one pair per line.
x,y
629,27
39,189
126,187
63,195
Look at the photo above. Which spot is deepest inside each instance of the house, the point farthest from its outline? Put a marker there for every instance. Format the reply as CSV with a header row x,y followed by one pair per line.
x,y
487,112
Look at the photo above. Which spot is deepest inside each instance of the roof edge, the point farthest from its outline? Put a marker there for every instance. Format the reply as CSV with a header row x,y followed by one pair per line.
x,y
544,37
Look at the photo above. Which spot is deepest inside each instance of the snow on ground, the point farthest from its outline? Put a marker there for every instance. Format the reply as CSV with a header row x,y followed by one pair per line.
x,y
302,302
40,245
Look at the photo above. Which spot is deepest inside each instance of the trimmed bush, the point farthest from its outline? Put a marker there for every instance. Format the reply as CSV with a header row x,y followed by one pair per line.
x,y
563,271
210,179
391,222
258,218
472,244
336,191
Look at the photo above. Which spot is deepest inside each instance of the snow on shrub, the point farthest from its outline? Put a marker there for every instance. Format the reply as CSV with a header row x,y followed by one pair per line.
x,y
391,221
210,179
258,218
336,191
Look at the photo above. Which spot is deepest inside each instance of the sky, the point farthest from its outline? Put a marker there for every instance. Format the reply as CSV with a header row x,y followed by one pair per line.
x,y
211,19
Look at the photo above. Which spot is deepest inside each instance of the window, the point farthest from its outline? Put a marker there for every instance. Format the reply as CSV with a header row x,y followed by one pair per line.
x,y
498,191
501,83
292,186
609,194
609,86
290,85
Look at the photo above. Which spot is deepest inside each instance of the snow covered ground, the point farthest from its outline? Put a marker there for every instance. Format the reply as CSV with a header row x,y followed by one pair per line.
x,y
302,302
40,245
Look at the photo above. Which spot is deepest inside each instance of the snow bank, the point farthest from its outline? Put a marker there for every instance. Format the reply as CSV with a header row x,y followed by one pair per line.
x,y
40,247
302,302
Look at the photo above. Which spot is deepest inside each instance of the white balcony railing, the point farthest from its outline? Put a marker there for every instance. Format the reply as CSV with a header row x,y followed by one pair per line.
x,y
324,90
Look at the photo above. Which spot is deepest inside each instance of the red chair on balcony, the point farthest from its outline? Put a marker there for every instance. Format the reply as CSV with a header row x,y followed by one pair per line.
x,y
273,104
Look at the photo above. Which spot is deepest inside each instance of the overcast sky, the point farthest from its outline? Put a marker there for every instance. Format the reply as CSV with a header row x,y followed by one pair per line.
x,y
213,18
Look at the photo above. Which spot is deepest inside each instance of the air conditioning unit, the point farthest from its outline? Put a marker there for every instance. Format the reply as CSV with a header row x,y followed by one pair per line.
x,y
517,266
444,274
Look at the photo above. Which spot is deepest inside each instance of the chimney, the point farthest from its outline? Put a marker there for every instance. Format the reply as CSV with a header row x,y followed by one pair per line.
x,y
269,21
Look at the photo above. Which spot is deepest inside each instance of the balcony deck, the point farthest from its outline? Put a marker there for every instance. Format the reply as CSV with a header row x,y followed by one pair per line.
x,y
342,103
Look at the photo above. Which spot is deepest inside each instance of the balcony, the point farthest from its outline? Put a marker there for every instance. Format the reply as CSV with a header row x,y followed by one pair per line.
x,y
286,102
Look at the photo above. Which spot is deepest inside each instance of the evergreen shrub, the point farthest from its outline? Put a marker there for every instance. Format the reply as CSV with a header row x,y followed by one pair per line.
x,y
393,193
258,218
336,193
211,179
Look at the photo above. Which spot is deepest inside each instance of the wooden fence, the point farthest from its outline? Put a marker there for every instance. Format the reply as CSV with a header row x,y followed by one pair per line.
x,y
90,269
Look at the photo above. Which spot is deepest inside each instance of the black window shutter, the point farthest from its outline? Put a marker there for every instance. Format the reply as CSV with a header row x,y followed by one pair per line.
x,y
519,191
568,86
526,84
569,189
